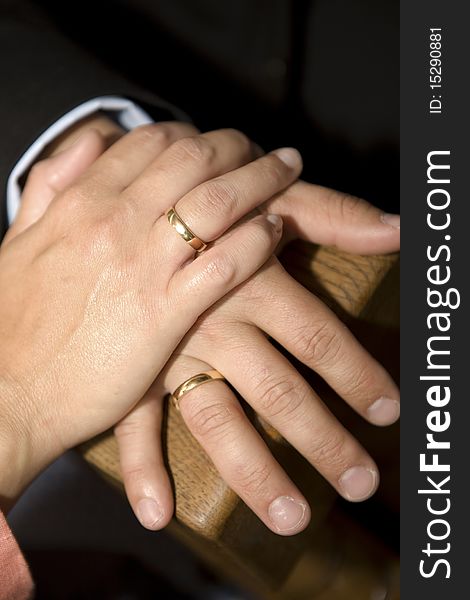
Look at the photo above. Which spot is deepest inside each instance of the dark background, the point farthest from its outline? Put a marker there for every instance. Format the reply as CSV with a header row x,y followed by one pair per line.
x,y
321,75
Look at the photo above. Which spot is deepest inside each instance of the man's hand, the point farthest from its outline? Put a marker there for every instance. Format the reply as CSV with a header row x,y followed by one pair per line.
x,y
232,338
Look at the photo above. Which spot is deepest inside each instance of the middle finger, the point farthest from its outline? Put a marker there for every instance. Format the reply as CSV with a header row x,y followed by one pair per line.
x,y
185,164
216,419
276,391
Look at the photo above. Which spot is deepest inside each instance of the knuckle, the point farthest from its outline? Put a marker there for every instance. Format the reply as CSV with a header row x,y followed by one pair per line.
x,y
128,207
344,207
279,397
218,197
97,229
38,170
262,233
68,205
211,327
106,176
104,232
163,134
329,451
242,140
101,176
318,344
252,480
196,149
145,131
158,132
133,474
221,270
128,428
341,207
208,421
273,170
349,205
361,383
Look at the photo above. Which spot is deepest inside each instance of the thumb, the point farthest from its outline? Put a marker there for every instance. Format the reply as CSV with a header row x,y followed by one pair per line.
x,y
50,176
324,216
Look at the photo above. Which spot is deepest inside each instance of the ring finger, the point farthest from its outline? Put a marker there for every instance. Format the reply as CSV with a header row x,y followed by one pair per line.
x,y
216,419
276,391
214,206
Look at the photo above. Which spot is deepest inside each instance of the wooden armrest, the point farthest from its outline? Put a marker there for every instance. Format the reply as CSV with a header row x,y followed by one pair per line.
x,y
210,518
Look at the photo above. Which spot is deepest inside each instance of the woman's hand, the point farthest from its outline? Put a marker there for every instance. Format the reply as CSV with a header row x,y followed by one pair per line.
x,y
97,288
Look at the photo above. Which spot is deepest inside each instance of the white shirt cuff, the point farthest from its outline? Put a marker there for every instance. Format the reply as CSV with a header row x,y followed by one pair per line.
x,y
127,113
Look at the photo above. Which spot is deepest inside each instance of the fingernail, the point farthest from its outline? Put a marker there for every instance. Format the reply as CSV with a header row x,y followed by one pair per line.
x,y
383,411
392,220
287,514
358,483
148,512
289,156
276,220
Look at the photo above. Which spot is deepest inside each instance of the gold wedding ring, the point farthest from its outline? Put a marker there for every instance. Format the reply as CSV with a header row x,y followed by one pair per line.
x,y
194,382
188,236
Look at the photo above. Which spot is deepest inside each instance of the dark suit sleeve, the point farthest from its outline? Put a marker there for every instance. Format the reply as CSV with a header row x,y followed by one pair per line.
x,y
44,75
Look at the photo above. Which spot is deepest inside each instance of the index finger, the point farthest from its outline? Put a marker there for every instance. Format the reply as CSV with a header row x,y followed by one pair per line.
x,y
325,216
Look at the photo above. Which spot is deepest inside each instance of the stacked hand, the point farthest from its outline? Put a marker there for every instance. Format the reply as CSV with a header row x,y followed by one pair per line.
x,y
99,291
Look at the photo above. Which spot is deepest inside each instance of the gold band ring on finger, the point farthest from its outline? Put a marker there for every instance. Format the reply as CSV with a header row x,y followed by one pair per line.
x,y
194,382
188,236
